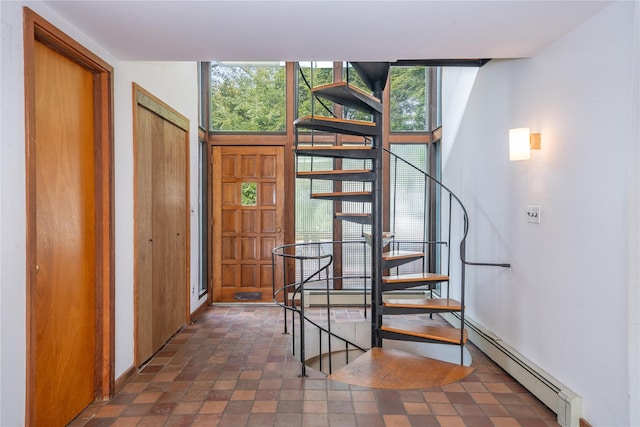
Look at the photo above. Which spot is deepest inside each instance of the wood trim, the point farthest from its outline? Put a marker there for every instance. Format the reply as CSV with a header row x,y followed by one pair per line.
x,y
155,104
436,135
198,312
123,379
38,29
105,208
289,164
584,423
250,138
29,101
209,224
134,120
410,138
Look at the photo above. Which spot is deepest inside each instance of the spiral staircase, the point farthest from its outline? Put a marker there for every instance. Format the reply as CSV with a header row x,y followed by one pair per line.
x,y
385,309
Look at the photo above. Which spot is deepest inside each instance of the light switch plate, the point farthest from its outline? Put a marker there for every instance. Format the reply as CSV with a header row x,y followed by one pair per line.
x,y
533,214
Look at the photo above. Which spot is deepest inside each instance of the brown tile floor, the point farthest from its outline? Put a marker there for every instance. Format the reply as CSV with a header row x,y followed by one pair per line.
x,y
232,368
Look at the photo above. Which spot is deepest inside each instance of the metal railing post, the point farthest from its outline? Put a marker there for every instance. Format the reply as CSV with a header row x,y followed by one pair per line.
x,y
303,359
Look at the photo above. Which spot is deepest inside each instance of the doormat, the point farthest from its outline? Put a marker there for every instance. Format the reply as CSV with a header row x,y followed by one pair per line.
x,y
247,296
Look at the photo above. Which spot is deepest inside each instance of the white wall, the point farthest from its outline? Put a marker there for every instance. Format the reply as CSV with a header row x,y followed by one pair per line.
x,y
175,84
568,301
634,233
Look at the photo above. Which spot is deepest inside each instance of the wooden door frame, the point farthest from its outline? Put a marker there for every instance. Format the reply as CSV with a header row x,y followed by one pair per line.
x,y
144,98
37,29
285,140
214,228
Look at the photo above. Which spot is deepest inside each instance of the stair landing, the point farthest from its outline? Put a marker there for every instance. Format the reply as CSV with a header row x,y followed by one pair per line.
x,y
394,369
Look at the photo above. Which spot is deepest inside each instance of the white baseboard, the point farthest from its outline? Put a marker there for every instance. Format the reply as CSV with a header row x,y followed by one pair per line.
x,y
558,397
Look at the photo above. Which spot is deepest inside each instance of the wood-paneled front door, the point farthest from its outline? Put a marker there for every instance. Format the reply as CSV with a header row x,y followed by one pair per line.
x,y
248,214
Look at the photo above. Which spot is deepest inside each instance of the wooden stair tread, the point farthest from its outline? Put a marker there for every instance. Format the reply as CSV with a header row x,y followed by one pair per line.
x,y
333,172
338,151
335,120
415,277
339,125
394,369
345,85
348,95
332,147
347,196
358,218
360,175
444,304
398,254
343,193
387,236
444,334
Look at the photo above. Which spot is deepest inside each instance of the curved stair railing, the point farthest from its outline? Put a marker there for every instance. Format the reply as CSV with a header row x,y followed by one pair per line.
x,y
287,295
453,199
382,282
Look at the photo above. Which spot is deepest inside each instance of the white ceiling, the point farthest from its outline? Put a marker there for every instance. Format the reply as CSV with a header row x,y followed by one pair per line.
x,y
325,30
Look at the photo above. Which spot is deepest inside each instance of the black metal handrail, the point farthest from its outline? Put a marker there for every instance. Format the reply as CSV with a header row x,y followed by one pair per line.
x,y
453,196
289,304
463,261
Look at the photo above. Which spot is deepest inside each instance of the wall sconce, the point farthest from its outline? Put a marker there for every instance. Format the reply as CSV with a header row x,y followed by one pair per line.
x,y
521,142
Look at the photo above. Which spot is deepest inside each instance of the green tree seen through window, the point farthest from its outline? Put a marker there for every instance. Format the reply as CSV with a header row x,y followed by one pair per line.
x,y
249,98
408,98
314,76
249,194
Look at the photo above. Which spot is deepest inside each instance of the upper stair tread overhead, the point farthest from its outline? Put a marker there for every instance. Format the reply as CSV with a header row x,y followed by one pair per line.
x,y
445,334
347,196
350,96
364,175
358,218
372,73
387,237
337,151
400,254
397,257
338,125
353,214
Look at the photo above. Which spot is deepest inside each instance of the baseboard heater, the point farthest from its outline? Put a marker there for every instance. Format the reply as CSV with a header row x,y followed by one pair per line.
x,y
559,398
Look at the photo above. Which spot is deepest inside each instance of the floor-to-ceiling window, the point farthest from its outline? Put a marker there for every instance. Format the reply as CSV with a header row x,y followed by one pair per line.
x,y
249,145
250,104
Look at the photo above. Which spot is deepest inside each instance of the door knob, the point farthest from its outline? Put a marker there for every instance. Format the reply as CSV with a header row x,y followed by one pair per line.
x,y
278,230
